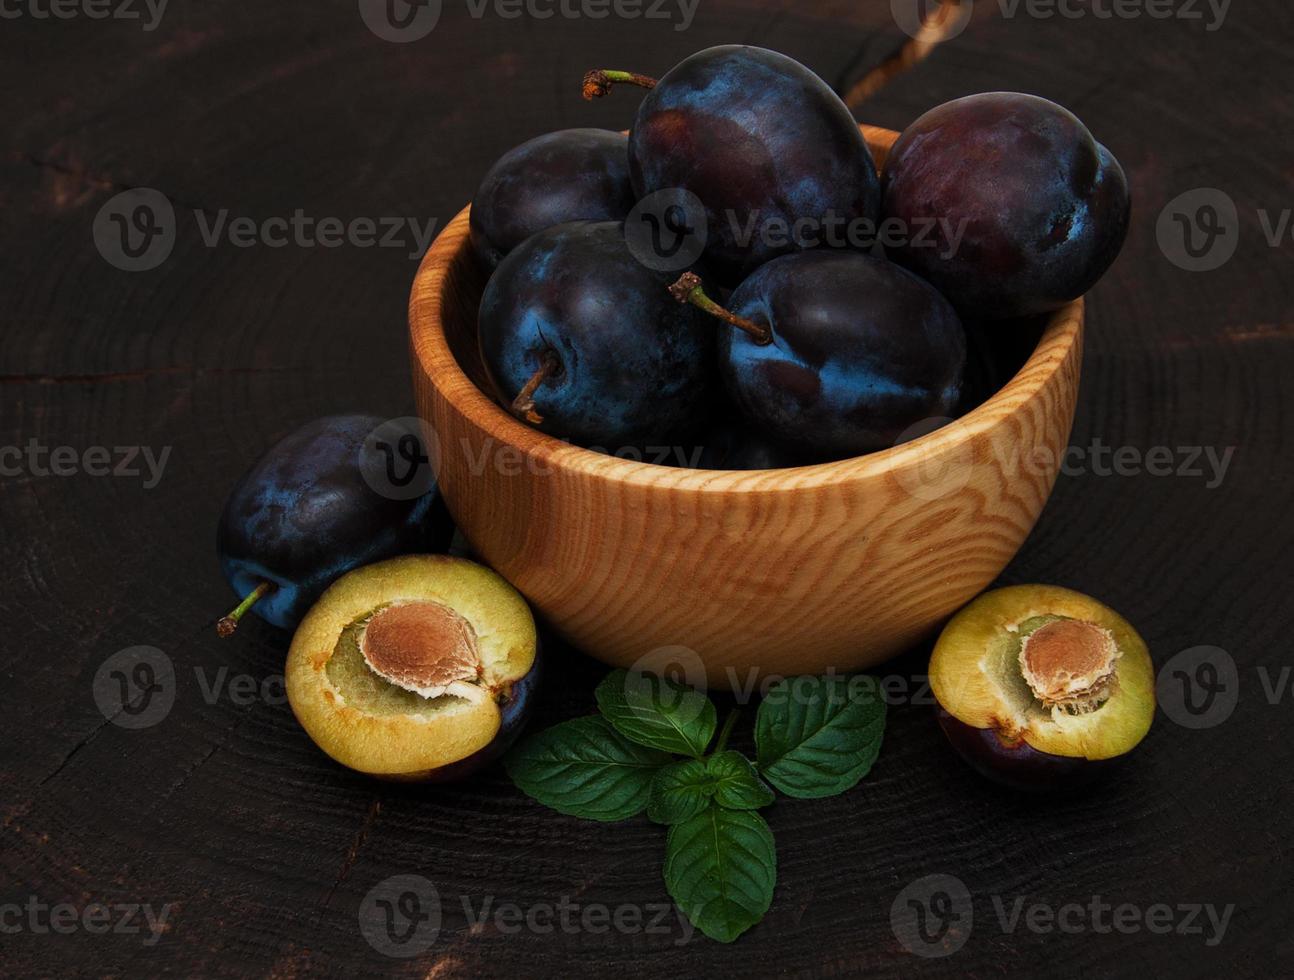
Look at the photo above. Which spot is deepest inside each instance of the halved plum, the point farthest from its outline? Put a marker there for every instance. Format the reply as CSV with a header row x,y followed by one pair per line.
x,y
416,668
1040,687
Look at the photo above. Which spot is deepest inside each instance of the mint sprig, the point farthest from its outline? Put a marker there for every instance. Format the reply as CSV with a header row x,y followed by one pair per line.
x,y
720,868
818,736
585,768
679,792
657,712
814,737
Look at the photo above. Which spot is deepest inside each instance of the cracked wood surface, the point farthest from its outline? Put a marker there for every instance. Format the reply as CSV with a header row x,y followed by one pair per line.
x,y
262,848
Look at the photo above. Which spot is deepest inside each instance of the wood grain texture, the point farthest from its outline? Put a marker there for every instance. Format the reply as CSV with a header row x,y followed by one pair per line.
x,y
265,847
780,572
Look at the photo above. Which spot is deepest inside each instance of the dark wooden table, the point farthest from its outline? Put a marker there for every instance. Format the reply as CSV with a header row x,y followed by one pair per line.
x,y
258,851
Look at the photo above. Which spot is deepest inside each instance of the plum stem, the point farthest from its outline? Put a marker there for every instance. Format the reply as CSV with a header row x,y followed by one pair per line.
x,y
725,731
523,406
690,289
227,624
598,82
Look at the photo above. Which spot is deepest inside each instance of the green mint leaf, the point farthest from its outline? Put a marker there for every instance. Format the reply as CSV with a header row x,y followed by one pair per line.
x,y
720,867
679,792
734,782
818,736
657,712
585,768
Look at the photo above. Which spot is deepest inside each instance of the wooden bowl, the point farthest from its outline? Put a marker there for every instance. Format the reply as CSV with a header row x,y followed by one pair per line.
x,y
835,566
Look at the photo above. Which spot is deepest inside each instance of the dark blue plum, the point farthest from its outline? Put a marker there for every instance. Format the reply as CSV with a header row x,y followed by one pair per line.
x,y
616,362
570,175
305,513
861,351
1041,207
762,142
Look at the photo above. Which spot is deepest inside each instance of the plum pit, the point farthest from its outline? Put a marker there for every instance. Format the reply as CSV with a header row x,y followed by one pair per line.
x,y
423,647
1070,664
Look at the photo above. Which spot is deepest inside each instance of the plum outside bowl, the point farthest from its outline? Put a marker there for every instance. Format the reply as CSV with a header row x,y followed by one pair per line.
x,y
837,566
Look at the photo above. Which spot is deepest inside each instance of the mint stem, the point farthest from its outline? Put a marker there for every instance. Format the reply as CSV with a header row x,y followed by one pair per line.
x,y
725,731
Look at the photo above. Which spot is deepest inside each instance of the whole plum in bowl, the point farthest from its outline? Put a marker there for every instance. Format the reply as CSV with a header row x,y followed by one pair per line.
x,y
835,565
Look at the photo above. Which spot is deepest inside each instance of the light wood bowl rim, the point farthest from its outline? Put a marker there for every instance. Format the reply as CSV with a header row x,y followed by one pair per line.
x,y
430,347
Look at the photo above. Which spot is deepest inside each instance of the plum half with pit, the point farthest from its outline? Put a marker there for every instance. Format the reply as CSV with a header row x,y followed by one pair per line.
x,y
1009,206
1042,688
418,668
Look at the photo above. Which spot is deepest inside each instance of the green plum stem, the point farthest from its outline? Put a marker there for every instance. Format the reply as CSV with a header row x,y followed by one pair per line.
x,y
523,406
725,731
598,82
227,625
690,289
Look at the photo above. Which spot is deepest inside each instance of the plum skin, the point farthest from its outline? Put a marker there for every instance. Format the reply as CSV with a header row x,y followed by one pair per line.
x,y
1044,207
569,175
753,134
515,714
303,515
1019,765
861,351
635,365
